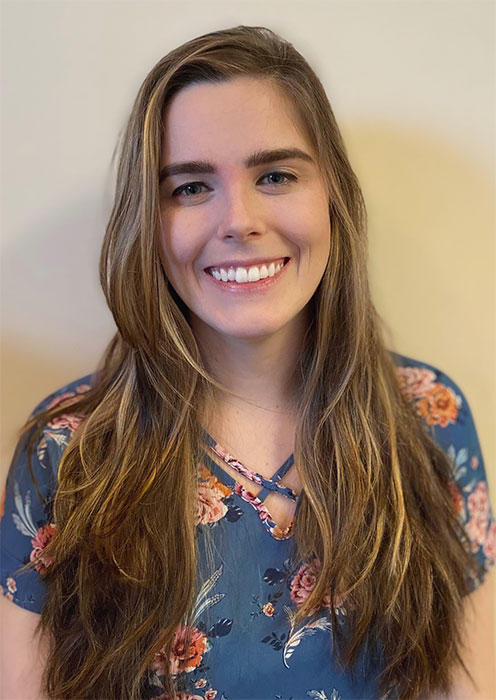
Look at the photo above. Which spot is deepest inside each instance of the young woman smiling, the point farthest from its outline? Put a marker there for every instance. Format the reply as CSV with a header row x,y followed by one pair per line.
x,y
251,496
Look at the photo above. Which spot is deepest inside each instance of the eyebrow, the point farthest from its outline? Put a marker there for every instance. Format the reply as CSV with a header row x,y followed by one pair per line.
x,y
257,158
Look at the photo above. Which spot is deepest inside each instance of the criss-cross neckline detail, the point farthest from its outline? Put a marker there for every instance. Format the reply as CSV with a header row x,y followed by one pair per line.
x,y
268,485
271,484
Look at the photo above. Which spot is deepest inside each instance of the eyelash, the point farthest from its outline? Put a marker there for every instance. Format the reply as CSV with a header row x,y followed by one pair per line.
x,y
179,190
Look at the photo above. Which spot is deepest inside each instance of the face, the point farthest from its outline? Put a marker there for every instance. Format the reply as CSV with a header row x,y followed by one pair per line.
x,y
241,211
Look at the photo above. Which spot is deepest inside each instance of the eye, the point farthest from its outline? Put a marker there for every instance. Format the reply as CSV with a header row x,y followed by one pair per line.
x,y
183,188
280,173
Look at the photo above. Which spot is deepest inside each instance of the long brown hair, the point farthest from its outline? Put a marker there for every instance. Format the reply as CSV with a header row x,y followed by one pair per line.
x,y
376,509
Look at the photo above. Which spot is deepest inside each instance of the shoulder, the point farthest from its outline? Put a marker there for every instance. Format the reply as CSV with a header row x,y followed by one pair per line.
x,y
448,418
442,404
67,391
437,396
55,434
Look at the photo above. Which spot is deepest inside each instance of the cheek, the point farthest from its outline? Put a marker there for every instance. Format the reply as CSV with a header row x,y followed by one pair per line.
x,y
176,249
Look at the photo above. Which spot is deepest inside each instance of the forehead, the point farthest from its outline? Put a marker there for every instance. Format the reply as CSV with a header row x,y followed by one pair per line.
x,y
237,115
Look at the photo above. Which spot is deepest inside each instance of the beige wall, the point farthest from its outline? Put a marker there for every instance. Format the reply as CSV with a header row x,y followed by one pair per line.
x,y
412,86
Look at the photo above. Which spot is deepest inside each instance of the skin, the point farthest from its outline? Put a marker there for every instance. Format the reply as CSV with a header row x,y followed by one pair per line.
x,y
250,344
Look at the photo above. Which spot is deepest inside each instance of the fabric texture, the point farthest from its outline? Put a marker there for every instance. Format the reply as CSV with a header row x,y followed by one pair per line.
x,y
246,606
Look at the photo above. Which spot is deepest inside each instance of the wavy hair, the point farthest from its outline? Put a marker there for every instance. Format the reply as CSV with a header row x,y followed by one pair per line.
x,y
376,509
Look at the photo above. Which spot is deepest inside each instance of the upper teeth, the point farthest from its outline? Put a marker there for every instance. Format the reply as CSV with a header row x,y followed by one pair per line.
x,y
243,274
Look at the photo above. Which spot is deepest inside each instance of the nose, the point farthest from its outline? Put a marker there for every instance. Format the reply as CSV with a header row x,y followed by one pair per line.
x,y
241,212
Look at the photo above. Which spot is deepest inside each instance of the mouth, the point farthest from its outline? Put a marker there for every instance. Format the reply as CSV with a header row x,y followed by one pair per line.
x,y
247,267
246,287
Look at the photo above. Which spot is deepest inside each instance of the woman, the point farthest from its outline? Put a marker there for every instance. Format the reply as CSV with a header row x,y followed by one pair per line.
x,y
168,551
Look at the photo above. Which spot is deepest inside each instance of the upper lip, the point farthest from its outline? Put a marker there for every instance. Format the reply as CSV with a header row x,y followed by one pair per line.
x,y
247,263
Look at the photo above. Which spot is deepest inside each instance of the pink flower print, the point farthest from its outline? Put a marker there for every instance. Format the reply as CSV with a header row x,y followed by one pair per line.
x,y
11,585
489,548
223,453
210,508
39,542
184,656
66,420
439,406
303,584
478,507
210,694
244,493
201,683
474,462
415,382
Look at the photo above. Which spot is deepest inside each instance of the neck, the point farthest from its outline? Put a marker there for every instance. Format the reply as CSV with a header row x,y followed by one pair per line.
x,y
261,370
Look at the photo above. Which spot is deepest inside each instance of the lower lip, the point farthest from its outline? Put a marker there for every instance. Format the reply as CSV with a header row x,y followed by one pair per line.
x,y
250,287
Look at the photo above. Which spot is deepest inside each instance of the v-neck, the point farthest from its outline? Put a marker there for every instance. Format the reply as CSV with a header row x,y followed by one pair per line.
x,y
268,485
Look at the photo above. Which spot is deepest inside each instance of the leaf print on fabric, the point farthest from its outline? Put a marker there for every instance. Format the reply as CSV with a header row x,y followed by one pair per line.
x,y
273,577
23,519
294,638
276,642
203,603
320,695
458,460
60,439
42,451
234,512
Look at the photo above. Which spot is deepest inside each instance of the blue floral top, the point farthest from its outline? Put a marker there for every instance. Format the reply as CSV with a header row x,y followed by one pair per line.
x,y
244,643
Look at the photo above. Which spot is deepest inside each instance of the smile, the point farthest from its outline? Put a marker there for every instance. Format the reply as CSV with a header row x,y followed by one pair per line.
x,y
238,281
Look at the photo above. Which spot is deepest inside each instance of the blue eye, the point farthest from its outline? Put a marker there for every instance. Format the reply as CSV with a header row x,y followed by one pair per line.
x,y
182,190
288,176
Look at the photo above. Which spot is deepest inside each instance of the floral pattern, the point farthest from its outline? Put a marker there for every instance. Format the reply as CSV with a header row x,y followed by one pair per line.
x,y
243,642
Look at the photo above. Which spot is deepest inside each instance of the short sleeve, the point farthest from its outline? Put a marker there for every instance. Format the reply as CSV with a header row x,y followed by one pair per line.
x,y
447,415
26,509
26,526
470,490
